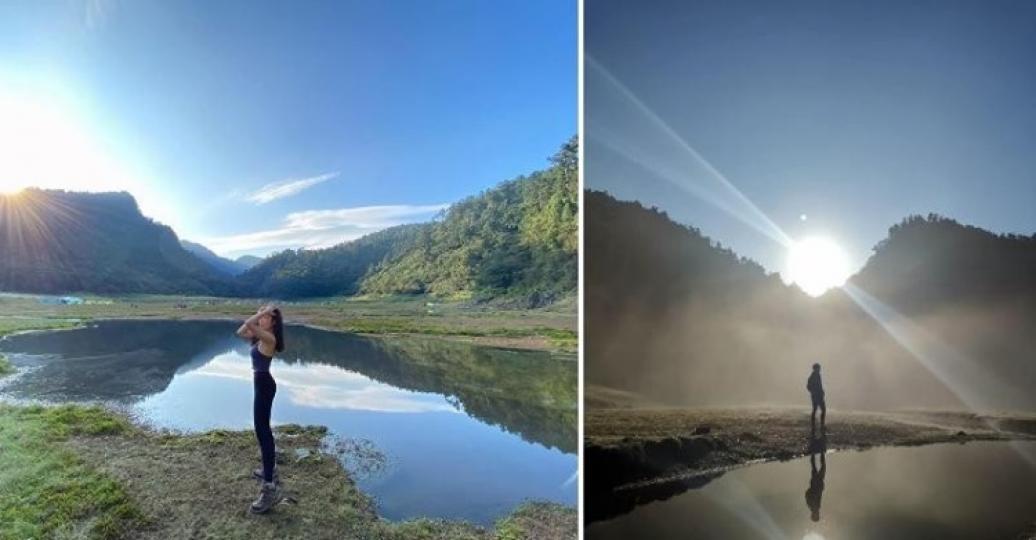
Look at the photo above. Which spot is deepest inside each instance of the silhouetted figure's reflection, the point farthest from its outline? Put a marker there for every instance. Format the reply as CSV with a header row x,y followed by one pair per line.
x,y
816,477
816,395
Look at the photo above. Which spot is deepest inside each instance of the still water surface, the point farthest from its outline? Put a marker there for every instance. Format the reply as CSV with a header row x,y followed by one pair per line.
x,y
946,491
468,432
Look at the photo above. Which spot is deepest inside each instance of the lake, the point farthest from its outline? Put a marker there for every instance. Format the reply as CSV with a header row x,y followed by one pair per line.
x,y
467,432
945,491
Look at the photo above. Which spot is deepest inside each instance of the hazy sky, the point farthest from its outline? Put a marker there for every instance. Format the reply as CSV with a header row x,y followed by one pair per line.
x,y
352,115
854,114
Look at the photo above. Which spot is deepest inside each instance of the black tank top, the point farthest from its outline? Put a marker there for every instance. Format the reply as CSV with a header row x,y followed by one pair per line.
x,y
260,362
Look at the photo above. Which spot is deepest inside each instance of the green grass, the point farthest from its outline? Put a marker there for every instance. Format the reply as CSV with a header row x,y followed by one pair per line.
x,y
538,520
9,325
46,491
5,366
559,338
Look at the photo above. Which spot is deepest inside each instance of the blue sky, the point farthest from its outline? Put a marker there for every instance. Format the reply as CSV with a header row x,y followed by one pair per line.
x,y
851,115
253,127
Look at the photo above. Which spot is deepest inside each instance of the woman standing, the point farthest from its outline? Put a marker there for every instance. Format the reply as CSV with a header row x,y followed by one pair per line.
x,y
265,329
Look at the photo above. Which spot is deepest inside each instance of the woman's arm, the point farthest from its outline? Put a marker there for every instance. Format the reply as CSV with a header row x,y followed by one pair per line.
x,y
250,329
245,330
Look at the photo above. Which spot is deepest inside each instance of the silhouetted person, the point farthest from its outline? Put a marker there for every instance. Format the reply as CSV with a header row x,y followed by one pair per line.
x,y
816,394
816,477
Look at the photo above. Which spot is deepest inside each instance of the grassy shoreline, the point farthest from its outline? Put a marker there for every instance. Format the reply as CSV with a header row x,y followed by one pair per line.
x,y
552,328
85,471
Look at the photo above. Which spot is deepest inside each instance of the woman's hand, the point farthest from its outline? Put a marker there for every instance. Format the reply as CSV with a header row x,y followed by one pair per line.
x,y
250,329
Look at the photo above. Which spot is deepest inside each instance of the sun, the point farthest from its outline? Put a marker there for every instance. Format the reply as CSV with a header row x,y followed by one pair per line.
x,y
47,141
10,188
817,264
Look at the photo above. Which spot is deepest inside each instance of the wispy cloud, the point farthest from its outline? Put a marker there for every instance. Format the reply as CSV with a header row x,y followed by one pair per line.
x,y
97,12
314,229
286,188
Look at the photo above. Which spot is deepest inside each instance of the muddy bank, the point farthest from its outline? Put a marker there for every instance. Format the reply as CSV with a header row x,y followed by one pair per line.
x,y
633,456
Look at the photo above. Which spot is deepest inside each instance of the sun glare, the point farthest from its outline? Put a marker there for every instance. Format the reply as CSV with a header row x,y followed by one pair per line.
x,y
817,264
46,141
10,188
45,145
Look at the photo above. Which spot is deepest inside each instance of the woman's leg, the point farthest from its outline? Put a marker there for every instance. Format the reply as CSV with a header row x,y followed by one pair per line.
x,y
265,389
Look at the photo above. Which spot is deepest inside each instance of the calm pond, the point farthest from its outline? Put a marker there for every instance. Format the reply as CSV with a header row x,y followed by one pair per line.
x,y
467,432
946,491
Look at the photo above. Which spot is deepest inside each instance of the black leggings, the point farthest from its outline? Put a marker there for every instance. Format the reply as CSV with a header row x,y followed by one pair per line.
x,y
818,403
265,389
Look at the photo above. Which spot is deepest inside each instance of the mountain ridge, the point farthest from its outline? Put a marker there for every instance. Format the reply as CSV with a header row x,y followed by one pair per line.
x,y
514,242
223,265
61,241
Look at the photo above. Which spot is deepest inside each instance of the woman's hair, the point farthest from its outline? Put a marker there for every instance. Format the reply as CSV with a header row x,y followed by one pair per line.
x,y
278,328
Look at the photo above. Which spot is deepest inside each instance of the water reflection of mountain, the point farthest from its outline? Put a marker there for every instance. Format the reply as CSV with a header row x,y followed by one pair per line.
x,y
113,360
530,394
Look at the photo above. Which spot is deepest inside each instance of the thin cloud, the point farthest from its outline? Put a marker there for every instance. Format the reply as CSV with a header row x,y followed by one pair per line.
x,y
315,229
97,12
286,188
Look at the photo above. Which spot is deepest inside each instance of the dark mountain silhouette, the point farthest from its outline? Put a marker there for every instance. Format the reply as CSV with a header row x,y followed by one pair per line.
x,y
927,263
58,241
222,265
677,318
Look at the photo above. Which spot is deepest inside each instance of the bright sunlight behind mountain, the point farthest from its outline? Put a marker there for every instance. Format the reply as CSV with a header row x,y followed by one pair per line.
x,y
817,264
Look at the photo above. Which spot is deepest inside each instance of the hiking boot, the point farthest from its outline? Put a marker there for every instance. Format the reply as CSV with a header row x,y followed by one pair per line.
x,y
269,495
258,475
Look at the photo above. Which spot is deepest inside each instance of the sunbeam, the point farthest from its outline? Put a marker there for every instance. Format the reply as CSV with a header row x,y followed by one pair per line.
x,y
972,384
648,141
29,238
740,501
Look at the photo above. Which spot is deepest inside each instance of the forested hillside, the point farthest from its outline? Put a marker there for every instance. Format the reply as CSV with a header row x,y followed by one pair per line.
x,y
338,270
518,240
57,242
